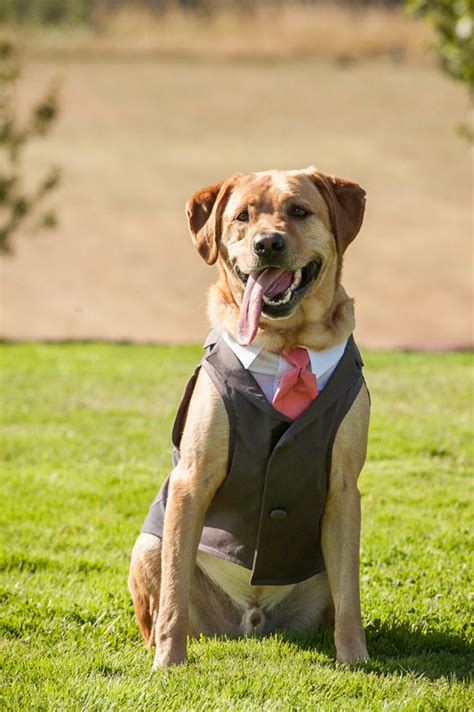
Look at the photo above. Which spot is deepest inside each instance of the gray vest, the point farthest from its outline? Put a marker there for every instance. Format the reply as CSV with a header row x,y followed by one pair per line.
x,y
266,514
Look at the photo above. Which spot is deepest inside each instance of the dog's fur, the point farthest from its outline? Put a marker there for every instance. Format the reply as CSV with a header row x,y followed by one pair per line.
x,y
178,591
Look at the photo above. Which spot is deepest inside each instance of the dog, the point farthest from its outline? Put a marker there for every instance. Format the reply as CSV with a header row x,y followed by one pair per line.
x,y
278,238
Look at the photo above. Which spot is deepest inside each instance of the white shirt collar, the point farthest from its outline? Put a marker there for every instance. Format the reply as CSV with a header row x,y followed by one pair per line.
x,y
320,361
245,354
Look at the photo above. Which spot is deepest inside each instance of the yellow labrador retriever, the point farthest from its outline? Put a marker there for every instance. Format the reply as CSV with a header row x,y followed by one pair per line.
x,y
257,528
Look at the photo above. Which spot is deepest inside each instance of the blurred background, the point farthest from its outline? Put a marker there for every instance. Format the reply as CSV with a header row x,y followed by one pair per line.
x,y
113,113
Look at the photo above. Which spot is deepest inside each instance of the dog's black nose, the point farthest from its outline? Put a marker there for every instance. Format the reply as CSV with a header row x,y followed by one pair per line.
x,y
266,243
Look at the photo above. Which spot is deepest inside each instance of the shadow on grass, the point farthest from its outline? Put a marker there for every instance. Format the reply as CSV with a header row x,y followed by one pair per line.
x,y
398,648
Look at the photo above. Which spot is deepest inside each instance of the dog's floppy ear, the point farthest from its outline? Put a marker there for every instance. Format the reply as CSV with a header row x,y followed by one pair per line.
x,y
204,210
346,202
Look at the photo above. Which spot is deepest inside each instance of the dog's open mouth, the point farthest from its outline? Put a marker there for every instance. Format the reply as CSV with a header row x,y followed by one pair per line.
x,y
273,291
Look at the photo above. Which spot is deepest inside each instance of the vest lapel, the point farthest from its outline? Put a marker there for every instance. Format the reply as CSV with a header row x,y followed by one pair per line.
x,y
347,372
223,356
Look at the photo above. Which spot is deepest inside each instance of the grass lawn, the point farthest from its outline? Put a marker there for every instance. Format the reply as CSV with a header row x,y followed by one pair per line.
x,y
85,447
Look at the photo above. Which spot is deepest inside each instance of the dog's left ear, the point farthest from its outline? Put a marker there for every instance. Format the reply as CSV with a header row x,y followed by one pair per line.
x,y
346,202
204,211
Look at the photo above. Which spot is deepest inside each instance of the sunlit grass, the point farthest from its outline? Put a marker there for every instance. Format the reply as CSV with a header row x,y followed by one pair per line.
x,y
85,446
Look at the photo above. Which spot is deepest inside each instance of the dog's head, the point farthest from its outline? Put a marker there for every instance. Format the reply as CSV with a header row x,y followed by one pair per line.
x,y
276,234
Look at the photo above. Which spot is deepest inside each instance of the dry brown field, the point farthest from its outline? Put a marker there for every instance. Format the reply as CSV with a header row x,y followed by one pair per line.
x,y
138,134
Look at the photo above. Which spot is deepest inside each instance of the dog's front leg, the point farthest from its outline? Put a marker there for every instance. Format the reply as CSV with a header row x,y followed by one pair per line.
x,y
340,531
185,511
193,483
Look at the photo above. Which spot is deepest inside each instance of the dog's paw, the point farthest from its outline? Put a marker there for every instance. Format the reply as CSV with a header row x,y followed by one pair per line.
x,y
351,648
168,655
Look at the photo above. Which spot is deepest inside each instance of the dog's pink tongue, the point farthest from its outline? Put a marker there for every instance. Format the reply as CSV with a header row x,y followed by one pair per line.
x,y
270,282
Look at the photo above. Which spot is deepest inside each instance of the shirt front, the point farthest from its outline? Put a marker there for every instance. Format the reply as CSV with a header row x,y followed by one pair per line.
x,y
268,367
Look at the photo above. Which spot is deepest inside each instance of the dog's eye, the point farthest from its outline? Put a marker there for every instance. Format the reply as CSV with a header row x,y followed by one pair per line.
x,y
243,216
297,211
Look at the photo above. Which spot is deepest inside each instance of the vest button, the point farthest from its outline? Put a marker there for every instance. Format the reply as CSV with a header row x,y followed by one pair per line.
x,y
278,514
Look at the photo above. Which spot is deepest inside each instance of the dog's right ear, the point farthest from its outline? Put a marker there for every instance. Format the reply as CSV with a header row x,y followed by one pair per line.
x,y
204,211
346,203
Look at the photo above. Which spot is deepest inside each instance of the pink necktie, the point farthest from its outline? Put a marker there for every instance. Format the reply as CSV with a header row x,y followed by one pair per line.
x,y
298,387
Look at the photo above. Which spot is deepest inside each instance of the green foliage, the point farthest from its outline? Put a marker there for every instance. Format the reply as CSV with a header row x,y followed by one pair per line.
x,y
84,448
16,203
454,22
46,12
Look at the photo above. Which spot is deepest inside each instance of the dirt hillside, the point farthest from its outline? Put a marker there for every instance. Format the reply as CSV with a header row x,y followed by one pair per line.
x,y
136,138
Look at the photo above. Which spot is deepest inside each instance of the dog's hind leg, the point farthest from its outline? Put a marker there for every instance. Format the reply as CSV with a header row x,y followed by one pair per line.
x,y
144,582
305,608
211,611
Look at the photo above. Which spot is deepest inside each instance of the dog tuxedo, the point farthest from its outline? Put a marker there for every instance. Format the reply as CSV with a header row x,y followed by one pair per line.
x,y
269,368
266,514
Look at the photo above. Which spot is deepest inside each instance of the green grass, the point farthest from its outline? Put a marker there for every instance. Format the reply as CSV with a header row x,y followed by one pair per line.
x,y
85,447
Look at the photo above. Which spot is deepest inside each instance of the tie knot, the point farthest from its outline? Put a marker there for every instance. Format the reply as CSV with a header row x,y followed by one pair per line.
x,y
298,387
297,357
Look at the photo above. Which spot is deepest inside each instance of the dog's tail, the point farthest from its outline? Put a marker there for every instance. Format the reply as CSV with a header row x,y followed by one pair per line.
x,y
142,604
